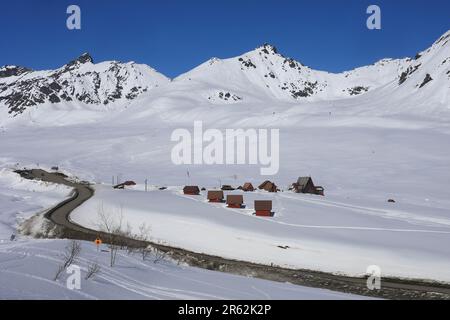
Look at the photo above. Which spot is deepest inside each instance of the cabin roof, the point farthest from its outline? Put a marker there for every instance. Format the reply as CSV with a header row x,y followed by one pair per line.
x,y
235,199
264,205
303,181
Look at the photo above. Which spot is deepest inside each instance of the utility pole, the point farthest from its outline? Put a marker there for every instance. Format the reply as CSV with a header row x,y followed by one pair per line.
x,y
146,185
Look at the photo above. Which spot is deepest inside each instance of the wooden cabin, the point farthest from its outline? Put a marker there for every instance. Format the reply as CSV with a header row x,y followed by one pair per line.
x,y
215,196
263,208
248,187
268,186
306,185
191,190
227,187
235,201
125,184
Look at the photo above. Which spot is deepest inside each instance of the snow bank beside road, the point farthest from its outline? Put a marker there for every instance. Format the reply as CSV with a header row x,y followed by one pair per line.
x,y
21,198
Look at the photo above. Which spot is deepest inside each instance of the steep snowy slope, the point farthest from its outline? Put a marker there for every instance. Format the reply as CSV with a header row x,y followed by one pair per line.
x,y
79,81
427,78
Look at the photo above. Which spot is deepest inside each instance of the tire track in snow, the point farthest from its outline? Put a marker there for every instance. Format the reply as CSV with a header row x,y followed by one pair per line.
x,y
53,283
383,213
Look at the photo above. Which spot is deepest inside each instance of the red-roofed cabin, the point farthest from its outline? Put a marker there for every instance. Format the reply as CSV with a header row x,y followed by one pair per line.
x,y
215,196
191,190
235,201
263,208
125,184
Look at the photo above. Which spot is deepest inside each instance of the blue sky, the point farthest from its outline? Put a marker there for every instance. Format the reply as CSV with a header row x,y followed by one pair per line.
x,y
174,36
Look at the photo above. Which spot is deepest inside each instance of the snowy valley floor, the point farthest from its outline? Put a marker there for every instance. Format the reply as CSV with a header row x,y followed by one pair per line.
x,y
361,159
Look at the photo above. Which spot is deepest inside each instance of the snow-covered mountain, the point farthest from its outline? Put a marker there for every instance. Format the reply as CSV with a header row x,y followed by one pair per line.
x,y
410,85
80,80
265,72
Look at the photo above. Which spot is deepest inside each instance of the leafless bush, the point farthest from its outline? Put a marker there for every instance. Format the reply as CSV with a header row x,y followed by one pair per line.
x,y
93,269
70,255
158,255
145,253
131,250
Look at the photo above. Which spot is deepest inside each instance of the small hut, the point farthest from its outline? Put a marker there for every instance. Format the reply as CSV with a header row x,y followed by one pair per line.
x,y
191,190
215,196
306,185
263,208
268,186
227,187
235,201
248,187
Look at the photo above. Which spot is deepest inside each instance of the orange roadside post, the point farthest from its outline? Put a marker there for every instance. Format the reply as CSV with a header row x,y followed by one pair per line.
x,y
98,242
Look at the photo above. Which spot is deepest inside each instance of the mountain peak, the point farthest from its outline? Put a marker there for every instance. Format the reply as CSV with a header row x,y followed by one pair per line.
x,y
268,49
84,58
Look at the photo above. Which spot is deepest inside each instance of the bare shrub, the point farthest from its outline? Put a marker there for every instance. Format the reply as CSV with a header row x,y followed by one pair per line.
x,y
93,269
159,255
70,255
144,236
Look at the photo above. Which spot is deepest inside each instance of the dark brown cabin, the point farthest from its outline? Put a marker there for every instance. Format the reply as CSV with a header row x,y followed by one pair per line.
x,y
191,190
215,196
248,187
235,201
268,186
227,187
263,208
306,185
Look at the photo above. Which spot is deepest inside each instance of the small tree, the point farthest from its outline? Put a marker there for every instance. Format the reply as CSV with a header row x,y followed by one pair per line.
x,y
70,255
93,269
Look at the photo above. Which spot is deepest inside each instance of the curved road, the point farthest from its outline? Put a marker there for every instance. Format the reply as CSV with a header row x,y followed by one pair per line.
x,y
391,288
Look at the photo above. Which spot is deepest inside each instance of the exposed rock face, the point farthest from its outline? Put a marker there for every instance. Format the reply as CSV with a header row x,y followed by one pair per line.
x,y
79,80
11,71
